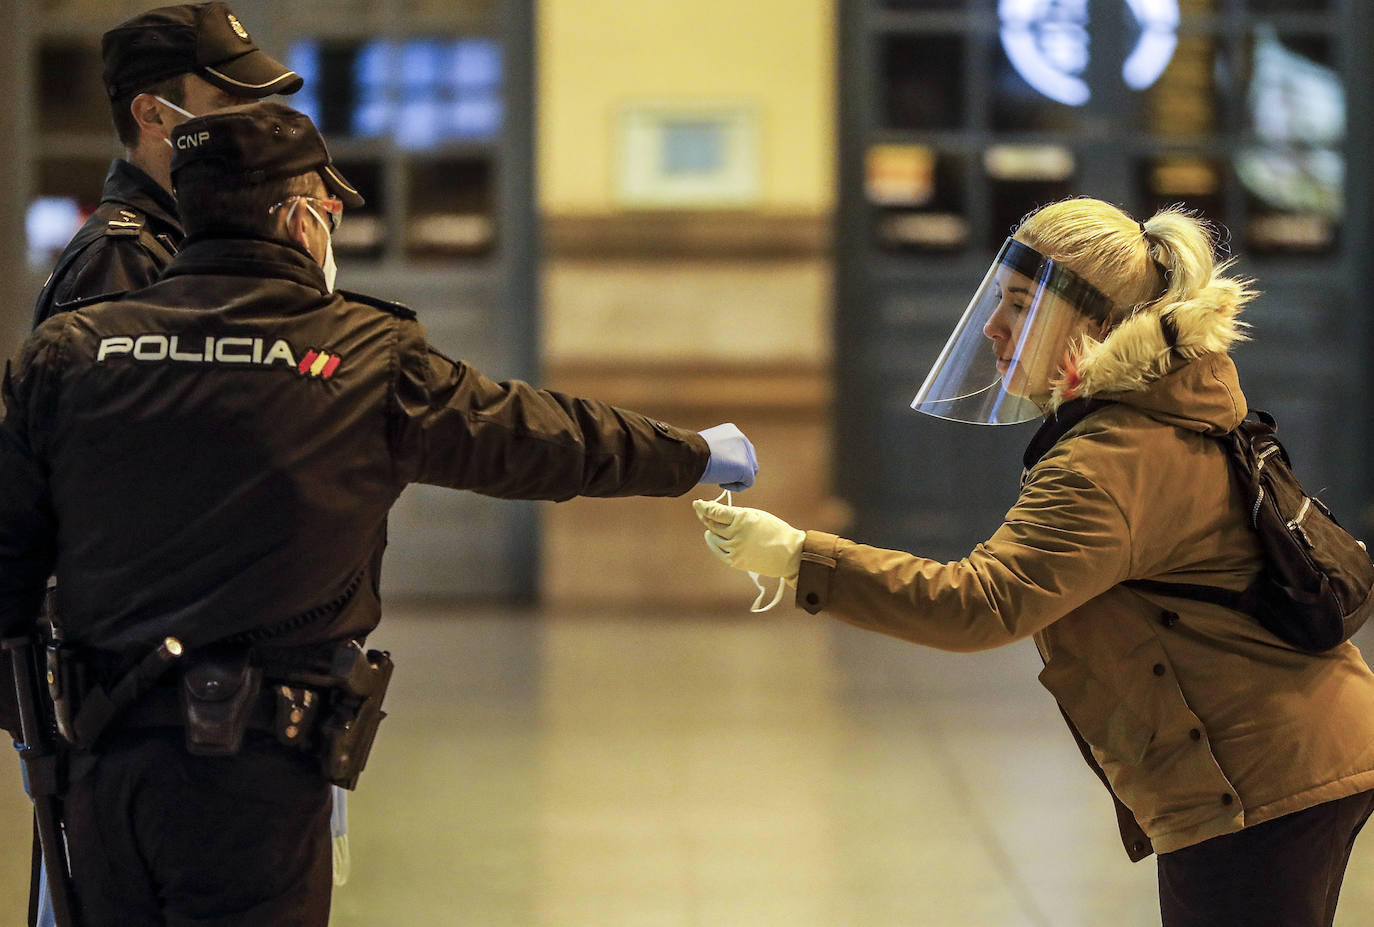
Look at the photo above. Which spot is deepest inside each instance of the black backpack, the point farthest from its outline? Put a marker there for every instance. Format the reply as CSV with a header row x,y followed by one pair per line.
x,y
1315,588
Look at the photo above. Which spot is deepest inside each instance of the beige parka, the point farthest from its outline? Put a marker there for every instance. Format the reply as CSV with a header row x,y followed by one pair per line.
x,y
1200,721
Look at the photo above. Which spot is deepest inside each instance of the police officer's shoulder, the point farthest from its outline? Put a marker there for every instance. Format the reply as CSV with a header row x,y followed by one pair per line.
x,y
400,310
81,302
122,222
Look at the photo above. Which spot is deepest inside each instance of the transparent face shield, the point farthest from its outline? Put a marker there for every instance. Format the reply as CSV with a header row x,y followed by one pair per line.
x,y
999,366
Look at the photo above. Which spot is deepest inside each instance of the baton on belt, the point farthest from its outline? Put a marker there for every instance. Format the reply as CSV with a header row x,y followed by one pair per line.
x,y
42,777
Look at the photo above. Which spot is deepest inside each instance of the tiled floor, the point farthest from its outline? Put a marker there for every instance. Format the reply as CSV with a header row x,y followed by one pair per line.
x,y
721,771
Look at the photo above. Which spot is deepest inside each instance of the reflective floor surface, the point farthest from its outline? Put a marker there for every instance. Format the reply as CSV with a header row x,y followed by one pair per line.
x,y
683,770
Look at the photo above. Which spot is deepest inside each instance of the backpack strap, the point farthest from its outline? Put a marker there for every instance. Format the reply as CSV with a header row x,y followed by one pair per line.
x,y
1057,425
1216,595
1244,601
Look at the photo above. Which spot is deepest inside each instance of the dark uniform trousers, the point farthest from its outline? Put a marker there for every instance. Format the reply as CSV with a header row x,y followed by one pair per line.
x,y
161,838
1283,873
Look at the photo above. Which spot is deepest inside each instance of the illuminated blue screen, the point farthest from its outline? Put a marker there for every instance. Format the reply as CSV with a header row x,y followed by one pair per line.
x,y
420,92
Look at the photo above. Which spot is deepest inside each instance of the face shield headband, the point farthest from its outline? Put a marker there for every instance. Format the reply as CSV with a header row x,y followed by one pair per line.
x,y
1000,364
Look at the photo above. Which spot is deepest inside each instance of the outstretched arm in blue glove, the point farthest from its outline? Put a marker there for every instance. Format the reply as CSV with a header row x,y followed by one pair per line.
x,y
732,465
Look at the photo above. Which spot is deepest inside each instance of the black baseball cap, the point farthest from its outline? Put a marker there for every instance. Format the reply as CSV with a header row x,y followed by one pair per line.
x,y
257,142
205,39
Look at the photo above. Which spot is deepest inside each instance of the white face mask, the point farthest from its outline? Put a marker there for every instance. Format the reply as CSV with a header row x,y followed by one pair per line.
x,y
183,112
331,270
328,266
758,605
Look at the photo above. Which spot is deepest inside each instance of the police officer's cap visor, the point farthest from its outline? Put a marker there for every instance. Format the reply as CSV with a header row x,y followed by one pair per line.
x,y
335,183
205,39
227,57
253,75
258,142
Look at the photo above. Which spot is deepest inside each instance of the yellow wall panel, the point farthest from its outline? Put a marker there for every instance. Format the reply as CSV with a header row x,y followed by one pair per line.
x,y
596,56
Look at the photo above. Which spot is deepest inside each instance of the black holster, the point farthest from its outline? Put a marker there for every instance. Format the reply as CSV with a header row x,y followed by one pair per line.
x,y
355,712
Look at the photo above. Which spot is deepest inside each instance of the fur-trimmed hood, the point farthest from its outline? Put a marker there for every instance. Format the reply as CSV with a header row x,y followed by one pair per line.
x,y
1136,352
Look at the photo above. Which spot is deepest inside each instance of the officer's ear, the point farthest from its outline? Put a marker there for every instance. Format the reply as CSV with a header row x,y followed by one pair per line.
x,y
294,223
302,228
148,114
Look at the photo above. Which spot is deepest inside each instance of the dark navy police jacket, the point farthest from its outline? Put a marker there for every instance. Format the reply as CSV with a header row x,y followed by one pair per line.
x,y
214,456
124,245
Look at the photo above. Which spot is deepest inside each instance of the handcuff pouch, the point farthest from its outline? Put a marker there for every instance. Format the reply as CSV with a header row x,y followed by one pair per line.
x,y
218,693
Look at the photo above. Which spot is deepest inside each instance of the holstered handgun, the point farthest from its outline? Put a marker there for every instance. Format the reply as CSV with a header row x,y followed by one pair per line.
x,y
355,712
219,690
66,678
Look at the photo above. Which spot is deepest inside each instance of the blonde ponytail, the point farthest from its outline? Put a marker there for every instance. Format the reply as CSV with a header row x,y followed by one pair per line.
x,y
1196,285
1171,295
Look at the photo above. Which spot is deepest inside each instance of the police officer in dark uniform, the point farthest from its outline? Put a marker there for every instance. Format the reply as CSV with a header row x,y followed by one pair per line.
x,y
207,464
161,67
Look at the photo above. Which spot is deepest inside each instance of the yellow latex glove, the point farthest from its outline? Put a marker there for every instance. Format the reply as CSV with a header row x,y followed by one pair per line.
x,y
751,539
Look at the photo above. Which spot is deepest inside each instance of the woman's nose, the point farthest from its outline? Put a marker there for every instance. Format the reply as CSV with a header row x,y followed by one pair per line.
x,y
993,329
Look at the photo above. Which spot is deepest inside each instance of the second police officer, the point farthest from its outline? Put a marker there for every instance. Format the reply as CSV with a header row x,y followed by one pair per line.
x,y
160,67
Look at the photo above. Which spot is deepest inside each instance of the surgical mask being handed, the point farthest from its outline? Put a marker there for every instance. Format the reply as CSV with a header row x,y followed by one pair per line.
x,y
183,112
758,605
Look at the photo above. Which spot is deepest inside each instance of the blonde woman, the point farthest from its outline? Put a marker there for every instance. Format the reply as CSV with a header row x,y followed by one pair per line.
x,y
1245,764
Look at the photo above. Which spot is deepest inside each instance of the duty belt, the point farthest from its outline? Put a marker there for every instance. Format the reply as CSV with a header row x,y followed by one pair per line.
x,y
289,713
326,701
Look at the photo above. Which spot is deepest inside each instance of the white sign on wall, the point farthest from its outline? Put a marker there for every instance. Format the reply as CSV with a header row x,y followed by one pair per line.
x,y
688,155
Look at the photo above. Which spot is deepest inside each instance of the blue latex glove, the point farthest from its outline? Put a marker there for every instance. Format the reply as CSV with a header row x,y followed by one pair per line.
x,y
338,829
733,465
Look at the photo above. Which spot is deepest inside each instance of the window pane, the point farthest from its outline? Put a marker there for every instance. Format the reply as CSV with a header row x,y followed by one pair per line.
x,y
71,92
1019,107
49,224
1185,100
1290,6
1279,231
921,199
1294,172
329,94
924,5
450,208
420,92
363,233
923,81
1041,64
450,9
66,191
1192,181
1022,179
